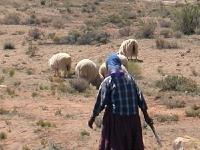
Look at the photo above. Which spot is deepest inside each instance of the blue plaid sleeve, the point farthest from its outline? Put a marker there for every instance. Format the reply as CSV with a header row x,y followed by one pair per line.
x,y
103,97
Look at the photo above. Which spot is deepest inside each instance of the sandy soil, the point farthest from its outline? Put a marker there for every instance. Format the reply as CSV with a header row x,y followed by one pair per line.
x,y
68,113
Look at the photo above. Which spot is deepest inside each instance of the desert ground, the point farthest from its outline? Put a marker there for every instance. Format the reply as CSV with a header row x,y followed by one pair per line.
x,y
41,112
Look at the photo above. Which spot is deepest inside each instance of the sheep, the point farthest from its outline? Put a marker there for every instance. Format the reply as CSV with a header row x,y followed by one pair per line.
x,y
88,70
60,62
186,142
129,48
103,71
124,60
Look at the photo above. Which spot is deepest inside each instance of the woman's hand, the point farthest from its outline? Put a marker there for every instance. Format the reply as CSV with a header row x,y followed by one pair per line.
x,y
90,122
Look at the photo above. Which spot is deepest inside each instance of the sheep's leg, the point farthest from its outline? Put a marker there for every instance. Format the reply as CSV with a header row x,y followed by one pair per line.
x,y
65,73
56,73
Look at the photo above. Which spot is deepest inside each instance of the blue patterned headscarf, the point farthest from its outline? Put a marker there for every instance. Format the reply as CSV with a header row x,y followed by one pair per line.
x,y
113,65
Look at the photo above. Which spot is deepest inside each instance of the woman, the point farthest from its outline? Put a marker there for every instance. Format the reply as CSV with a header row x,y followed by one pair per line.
x,y
121,97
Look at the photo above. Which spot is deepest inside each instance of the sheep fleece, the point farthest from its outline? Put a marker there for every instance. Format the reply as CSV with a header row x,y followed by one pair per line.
x,y
60,61
129,48
86,69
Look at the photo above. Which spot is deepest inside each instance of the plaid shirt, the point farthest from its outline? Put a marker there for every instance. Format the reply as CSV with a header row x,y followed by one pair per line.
x,y
121,95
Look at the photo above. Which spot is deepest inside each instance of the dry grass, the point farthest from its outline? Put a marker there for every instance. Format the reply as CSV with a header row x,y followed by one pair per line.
x,y
79,84
162,43
172,103
167,118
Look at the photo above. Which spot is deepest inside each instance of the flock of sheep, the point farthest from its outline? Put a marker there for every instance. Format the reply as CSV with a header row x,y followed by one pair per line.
x,y
87,69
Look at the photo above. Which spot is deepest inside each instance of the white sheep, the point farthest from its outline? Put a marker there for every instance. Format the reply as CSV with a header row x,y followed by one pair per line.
x,y
60,62
87,70
103,71
129,48
124,60
186,142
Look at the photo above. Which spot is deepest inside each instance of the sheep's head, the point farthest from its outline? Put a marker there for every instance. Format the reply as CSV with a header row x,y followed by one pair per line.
x,y
97,81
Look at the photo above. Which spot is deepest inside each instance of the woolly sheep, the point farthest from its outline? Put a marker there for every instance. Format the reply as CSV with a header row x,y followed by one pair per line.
x,y
60,62
129,48
124,60
186,142
103,71
87,69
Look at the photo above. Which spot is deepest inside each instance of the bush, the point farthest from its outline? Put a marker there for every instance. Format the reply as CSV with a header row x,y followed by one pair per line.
x,y
79,84
171,103
32,20
134,69
31,50
3,136
187,19
44,124
1,79
197,31
88,36
177,83
43,2
167,118
124,31
58,23
116,19
35,33
9,45
161,43
165,23
88,7
11,72
178,34
193,111
12,19
167,33
147,30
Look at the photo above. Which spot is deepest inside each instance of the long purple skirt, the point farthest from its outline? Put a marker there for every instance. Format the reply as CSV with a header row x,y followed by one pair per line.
x,y
121,132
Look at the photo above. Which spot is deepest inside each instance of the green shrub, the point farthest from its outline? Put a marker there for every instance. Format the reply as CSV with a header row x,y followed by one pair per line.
x,y
11,72
3,136
43,2
35,34
85,133
134,69
177,83
167,118
3,111
79,84
1,79
12,19
58,23
171,103
32,49
44,124
187,18
32,20
167,33
178,34
9,45
147,30
125,31
88,7
193,111
116,19
88,35
162,43
165,23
